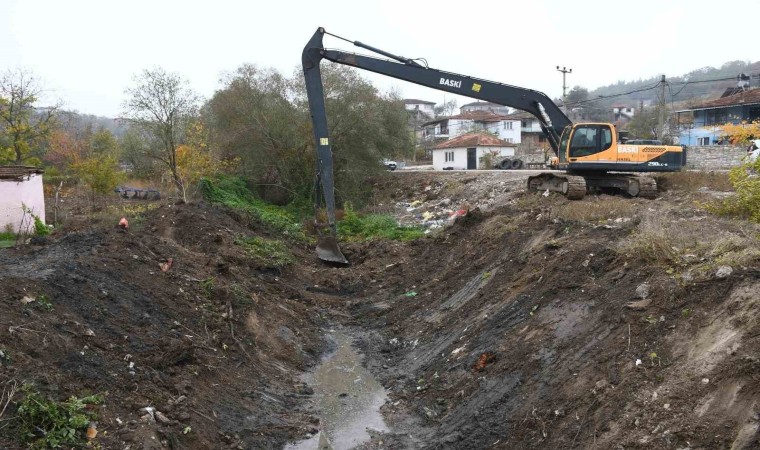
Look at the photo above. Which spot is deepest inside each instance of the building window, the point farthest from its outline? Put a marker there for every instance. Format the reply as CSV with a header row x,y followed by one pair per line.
x,y
509,140
449,156
507,125
526,123
703,141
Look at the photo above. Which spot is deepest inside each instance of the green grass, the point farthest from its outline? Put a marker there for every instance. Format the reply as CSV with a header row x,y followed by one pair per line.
x,y
47,423
268,252
7,240
356,227
233,193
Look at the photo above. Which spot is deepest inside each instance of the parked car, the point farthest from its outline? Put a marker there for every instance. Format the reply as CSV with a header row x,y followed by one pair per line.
x,y
390,165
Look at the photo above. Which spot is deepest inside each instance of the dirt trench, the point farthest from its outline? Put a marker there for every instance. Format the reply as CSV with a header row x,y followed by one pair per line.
x,y
514,326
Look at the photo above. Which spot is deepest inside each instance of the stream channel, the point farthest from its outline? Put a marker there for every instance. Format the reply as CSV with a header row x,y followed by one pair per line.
x,y
347,397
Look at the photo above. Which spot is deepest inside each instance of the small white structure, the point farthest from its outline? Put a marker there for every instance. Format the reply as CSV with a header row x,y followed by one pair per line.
x,y
470,151
20,186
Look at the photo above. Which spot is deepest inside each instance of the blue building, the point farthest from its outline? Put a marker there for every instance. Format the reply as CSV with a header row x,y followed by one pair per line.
x,y
700,125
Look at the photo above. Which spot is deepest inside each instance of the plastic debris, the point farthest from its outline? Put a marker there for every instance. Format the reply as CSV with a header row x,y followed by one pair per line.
x,y
411,294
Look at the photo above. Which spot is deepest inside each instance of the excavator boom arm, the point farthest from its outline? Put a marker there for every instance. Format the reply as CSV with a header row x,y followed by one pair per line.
x,y
552,119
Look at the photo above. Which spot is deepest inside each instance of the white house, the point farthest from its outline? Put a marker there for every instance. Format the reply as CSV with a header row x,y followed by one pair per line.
x,y
485,106
20,187
420,107
450,127
470,151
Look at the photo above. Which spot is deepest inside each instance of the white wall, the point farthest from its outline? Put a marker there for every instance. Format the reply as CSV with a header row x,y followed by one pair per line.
x,y
460,156
13,194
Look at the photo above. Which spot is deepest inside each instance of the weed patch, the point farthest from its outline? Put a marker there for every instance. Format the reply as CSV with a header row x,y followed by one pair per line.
x,y
271,253
233,193
371,226
51,424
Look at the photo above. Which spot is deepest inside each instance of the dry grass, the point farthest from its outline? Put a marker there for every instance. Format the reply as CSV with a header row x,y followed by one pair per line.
x,y
699,245
597,209
693,181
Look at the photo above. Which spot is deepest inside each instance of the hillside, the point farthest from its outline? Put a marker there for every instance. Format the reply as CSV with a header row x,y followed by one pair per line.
x,y
684,88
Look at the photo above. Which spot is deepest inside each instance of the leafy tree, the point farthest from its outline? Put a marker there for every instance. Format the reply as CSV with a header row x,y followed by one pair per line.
x,y
262,117
741,133
577,94
160,104
24,129
446,108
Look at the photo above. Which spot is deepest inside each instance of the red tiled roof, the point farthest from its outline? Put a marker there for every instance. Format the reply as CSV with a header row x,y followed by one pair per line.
x,y
18,172
474,140
743,98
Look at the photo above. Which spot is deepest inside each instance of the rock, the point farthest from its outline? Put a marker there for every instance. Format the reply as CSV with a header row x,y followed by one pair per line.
x,y
642,291
160,417
639,304
724,271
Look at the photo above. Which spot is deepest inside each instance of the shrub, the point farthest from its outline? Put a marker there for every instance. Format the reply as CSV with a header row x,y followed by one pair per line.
x,y
50,424
40,229
746,203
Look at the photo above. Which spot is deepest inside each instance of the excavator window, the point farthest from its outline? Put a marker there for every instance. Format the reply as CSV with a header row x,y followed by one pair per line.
x,y
590,139
584,141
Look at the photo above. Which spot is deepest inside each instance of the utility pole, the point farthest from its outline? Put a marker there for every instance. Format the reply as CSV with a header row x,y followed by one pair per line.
x,y
564,71
661,122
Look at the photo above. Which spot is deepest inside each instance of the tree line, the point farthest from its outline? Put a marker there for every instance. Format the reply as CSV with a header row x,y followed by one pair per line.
x,y
256,125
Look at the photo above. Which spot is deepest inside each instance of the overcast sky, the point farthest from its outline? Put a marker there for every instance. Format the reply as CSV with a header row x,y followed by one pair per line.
x,y
86,52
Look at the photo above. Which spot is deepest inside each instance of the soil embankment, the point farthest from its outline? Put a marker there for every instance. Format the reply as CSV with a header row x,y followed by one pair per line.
x,y
531,322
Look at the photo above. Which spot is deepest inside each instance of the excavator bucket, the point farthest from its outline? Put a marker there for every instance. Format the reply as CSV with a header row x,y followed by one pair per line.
x,y
329,251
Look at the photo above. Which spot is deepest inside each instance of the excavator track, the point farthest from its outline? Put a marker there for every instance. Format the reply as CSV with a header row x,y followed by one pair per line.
x,y
633,185
571,186
647,187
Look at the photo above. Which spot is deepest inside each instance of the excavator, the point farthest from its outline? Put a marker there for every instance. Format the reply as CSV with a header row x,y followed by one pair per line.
x,y
588,156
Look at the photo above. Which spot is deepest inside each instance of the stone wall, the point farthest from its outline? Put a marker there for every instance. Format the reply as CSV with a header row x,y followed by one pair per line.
x,y
714,157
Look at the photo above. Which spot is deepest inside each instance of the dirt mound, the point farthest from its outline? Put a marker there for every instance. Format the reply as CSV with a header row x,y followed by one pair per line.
x,y
214,343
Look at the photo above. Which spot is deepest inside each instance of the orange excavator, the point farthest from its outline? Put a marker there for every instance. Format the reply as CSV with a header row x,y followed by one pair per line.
x,y
588,156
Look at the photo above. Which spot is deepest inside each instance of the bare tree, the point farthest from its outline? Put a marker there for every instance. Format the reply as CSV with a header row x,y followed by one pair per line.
x,y
23,127
160,103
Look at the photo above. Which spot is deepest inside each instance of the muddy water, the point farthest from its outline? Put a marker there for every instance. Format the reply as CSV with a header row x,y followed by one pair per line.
x,y
347,397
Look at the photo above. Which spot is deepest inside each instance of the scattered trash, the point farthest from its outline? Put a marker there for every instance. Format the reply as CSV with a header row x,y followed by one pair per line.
x,y
638,362
458,213
187,430
411,294
124,223
724,271
27,299
92,430
165,266
484,360
666,406
546,194
705,380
